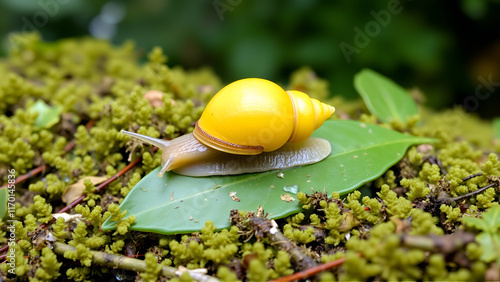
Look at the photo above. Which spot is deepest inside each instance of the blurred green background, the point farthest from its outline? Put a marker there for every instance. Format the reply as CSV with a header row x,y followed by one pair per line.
x,y
450,50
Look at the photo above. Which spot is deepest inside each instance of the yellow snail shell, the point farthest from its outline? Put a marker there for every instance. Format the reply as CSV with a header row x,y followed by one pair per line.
x,y
248,117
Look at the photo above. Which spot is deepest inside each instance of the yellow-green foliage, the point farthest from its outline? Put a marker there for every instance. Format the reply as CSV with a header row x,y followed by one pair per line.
x,y
89,192
78,273
122,225
414,156
359,210
423,223
50,266
217,247
282,264
60,228
452,214
333,221
417,188
225,274
381,256
299,236
492,165
152,268
396,206
81,254
91,79
43,209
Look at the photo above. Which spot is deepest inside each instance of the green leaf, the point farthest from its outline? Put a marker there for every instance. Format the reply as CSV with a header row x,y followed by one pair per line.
x,y
489,238
175,203
496,128
383,97
3,202
490,221
491,246
47,116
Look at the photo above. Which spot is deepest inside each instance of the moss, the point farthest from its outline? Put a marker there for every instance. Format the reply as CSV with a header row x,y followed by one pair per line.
x,y
60,229
486,199
152,268
217,247
225,274
122,224
50,266
333,221
437,268
43,209
189,253
20,265
81,254
282,264
89,192
220,246
414,156
417,188
452,214
78,273
423,223
492,166
381,256
257,271
52,185
302,237
396,206
91,79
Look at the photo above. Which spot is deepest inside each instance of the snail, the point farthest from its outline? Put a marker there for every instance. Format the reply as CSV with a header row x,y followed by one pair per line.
x,y
250,125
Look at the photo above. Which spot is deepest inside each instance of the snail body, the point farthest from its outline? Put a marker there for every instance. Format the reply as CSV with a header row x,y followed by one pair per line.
x,y
250,125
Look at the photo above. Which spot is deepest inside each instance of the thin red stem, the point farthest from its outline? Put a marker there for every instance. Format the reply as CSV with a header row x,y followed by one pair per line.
x,y
43,167
311,271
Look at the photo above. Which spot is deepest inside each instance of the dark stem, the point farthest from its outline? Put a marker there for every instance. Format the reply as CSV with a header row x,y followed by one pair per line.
x,y
478,191
472,176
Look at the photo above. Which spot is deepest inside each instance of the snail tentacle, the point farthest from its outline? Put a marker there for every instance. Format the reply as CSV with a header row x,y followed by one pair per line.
x,y
178,152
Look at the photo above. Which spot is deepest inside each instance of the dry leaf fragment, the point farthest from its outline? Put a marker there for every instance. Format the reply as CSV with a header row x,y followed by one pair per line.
x,y
287,198
154,98
68,217
233,196
75,190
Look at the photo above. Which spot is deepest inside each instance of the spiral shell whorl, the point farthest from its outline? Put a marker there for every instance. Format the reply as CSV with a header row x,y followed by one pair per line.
x,y
309,115
253,115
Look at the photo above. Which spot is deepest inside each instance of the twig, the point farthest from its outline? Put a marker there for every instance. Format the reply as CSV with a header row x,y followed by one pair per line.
x,y
311,271
80,199
132,264
436,161
472,176
269,229
446,244
43,167
105,183
478,191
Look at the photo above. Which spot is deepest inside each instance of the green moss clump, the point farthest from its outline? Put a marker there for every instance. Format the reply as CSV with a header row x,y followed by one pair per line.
x,y
43,209
90,79
152,268
122,224
50,266
396,206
